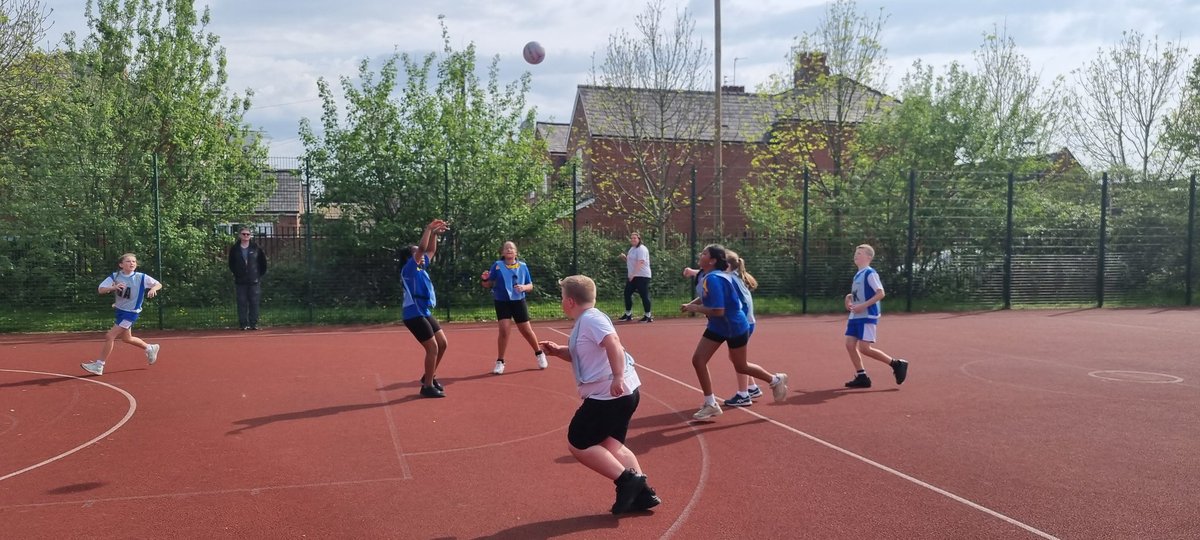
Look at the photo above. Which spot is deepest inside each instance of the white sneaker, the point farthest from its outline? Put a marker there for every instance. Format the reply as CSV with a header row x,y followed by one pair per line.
x,y
779,389
707,411
152,354
499,369
94,367
541,359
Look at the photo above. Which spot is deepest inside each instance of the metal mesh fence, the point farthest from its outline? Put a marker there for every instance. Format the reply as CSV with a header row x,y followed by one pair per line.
x,y
943,240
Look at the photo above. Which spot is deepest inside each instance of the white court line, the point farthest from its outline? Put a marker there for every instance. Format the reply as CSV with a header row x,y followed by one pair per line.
x,y
387,411
250,491
870,462
128,415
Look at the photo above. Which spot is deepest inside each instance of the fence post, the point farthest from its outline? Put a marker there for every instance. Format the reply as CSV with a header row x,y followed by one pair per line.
x,y
1191,239
911,249
695,248
1103,240
804,252
448,276
1008,242
308,245
158,231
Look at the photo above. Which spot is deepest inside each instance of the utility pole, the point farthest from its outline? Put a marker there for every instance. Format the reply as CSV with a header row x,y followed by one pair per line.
x,y
717,173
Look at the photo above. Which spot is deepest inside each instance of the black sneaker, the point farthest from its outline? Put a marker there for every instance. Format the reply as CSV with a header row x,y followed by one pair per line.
x,y
629,485
646,500
647,318
900,369
436,383
860,381
431,392
625,317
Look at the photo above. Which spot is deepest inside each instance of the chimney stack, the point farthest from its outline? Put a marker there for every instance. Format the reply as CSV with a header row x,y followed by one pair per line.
x,y
809,67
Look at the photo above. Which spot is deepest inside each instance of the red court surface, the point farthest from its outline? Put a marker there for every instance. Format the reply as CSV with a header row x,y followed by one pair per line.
x,y
1012,424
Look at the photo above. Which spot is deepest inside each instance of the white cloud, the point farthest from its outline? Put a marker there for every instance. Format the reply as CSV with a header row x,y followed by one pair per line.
x,y
280,48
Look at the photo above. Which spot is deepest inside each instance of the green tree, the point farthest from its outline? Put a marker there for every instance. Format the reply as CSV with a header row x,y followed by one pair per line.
x,y
448,146
827,92
1183,127
149,80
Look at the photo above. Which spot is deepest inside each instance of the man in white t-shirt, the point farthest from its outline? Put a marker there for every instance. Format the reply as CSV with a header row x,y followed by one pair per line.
x,y
608,382
637,267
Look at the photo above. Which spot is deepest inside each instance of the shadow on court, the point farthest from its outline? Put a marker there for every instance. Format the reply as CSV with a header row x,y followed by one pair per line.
x,y
561,527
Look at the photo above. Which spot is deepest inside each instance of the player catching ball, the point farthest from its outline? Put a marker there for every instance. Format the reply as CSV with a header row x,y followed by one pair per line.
x,y
509,280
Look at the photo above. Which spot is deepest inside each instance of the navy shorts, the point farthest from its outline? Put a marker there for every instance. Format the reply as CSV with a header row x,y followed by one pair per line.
x,y
599,419
735,342
422,328
517,310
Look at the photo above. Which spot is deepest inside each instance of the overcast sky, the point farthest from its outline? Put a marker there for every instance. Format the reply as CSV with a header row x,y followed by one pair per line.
x,y
279,48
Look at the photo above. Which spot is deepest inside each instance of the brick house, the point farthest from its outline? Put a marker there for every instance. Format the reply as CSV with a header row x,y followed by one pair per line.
x,y
603,138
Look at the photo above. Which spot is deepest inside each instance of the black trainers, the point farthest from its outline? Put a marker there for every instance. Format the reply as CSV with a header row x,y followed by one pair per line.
x,y
646,500
625,317
629,485
860,381
431,392
436,383
900,369
647,318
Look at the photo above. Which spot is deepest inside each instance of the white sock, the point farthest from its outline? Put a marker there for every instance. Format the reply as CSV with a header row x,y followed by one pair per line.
x,y
774,380
710,399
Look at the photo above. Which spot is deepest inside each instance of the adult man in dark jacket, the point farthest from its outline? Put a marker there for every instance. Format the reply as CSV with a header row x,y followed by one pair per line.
x,y
248,263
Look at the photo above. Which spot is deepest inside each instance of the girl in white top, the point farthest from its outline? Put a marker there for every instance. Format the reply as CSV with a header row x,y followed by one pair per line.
x,y
637,270
131,288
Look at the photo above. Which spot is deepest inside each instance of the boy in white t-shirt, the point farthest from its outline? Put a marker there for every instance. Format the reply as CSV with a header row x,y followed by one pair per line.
x,y
608,384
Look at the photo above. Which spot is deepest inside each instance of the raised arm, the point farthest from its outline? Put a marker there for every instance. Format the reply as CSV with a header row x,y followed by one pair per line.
x,y
428,244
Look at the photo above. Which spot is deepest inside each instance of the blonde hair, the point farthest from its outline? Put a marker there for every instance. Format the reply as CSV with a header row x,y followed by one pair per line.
x,y
579,288
870,251
121,259
738,264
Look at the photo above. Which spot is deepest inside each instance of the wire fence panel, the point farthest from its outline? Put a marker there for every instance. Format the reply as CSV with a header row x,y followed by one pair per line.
x,y
944,240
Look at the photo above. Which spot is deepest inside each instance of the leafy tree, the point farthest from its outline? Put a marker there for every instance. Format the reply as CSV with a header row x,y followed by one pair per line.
x,y
1120,108
27,78
646,100
820,102
449,146
1183,127
148,80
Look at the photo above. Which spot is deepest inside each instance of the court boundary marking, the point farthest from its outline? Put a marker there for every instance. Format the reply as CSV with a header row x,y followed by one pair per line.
x,y
128,414
868,461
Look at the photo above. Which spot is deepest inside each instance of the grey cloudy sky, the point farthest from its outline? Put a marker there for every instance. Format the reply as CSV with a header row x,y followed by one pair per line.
x,y
280,48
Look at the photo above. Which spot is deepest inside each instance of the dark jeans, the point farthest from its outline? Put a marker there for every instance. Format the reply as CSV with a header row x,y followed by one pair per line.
x,y
642,286
247,304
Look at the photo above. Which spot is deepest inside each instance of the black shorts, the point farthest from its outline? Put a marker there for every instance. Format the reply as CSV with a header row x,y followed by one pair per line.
x,y
599,419
735,342
422,328
517,310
